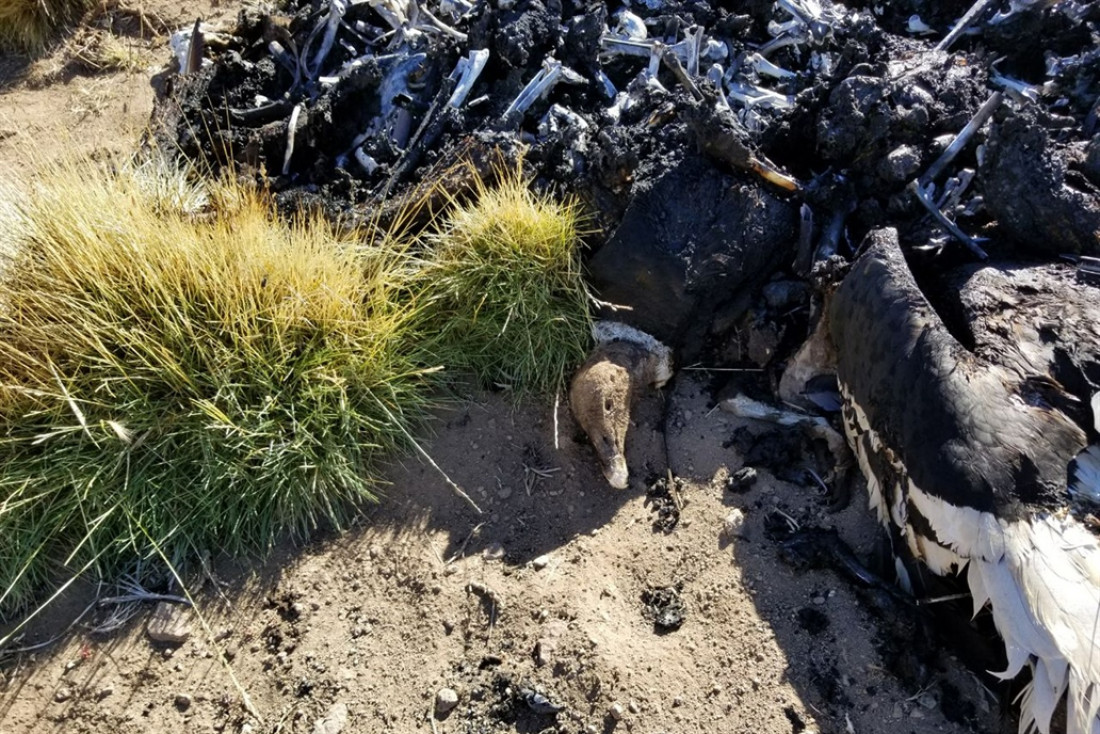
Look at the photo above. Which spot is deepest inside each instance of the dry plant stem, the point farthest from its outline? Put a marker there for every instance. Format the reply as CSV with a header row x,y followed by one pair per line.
x,y
557,401
246,700
462,548
31,648
148,596
427,457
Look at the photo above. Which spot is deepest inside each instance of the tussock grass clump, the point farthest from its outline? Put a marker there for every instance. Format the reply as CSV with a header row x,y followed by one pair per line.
x,y
180,369
26,25
503,287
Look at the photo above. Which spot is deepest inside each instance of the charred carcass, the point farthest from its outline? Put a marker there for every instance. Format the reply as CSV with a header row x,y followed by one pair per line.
x,y
977,461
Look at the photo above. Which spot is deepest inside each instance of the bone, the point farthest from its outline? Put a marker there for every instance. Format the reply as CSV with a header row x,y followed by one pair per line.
x,y
549,75
468,70
391,12
291,128
336,10
752,96
924,196
767,68
435,24
681,74
955,147
963,23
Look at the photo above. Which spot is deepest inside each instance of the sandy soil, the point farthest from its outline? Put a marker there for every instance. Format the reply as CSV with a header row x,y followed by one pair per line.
x,y
534,606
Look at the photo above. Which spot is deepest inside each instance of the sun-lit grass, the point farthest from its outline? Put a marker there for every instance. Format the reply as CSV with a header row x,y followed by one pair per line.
x,y
26,25
105,52
181,368
503,289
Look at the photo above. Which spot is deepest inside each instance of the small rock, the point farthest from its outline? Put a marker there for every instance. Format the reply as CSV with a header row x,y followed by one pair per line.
x,y
541,562
334,721
445,700
900,164
677,702
448,626
504,492
733,523
542,653
170,623
493,552
183,701
616,711
819,600
928,701
63,694
247,728
105,692
633,707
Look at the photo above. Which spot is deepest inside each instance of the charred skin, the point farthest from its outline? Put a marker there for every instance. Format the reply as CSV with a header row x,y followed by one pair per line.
x,y
601,396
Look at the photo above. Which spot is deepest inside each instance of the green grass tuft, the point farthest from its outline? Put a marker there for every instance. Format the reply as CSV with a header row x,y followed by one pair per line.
x,y
27,25
181,368
503,289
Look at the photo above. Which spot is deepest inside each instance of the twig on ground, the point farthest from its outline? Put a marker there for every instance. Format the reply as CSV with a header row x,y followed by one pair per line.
x,y
557,400
462,548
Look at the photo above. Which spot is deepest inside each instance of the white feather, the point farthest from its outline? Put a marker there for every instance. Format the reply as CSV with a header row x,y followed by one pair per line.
x,y
1041,578
1084,472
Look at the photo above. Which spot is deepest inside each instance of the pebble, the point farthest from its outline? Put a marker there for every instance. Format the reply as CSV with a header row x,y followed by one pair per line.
x,y
493,552
541,562
336,718
504,492
616,711
733,523
819,600
170,623
445,700
633,707
183,701
62,695
900,163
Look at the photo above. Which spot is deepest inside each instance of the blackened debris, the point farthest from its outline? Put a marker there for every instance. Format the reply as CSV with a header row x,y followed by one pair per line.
x,y
742,480
665,607
661,500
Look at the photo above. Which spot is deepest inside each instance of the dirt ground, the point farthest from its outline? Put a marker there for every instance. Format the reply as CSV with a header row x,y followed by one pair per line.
x,y
543,613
